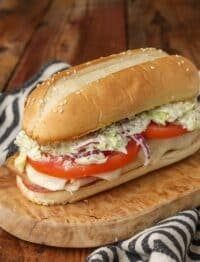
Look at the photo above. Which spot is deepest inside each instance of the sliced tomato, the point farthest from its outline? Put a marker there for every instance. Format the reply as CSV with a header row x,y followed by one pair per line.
x,y
115,160
160,131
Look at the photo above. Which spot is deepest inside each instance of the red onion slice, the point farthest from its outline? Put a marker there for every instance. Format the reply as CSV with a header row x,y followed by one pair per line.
x,y
140,140
86,143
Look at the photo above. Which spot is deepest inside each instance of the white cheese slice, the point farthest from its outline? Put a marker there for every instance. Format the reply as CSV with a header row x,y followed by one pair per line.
x,y
109,175
75,184
43,180
54,183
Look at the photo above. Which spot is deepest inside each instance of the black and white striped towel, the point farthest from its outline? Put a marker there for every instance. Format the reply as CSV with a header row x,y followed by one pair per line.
x,y
11,107
174,239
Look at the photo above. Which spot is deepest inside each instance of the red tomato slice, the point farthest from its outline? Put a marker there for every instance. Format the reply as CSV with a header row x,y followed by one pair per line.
x,y
115,161
159,131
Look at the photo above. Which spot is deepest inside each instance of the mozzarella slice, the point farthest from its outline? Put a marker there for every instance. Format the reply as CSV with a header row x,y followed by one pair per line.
x,y
54,183
75,184
43,180
109,175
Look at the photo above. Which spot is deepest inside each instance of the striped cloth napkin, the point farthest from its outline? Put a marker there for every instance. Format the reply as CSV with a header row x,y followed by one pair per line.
x,y
174,239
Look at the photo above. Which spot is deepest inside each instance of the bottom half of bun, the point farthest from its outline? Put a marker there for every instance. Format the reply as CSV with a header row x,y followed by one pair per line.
x,y
163,152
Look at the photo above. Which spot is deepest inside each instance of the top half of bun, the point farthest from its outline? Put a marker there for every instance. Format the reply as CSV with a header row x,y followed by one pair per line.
x,y
90,96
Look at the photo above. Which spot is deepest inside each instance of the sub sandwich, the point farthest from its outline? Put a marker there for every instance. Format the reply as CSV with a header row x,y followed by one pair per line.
x,y
103,123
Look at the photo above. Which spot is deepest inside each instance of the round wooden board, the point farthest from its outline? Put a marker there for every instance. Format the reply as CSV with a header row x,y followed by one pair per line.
x,y
106,217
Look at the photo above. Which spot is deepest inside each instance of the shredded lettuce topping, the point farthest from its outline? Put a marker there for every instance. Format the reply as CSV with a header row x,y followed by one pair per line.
x,y
171,112
91,148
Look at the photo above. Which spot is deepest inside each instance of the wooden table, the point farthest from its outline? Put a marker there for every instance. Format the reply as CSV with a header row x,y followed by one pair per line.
x,y
34,32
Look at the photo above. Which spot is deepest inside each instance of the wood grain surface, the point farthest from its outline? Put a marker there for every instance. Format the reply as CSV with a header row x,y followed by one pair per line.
x,y
104,218
18,21
73,31
168,24
34,32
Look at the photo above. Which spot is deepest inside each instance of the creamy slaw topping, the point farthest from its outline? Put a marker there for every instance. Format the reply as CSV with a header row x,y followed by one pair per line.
x,y
91,148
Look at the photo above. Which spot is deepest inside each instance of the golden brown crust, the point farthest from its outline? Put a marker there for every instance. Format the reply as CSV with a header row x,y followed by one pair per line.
x,y
171,151
110,99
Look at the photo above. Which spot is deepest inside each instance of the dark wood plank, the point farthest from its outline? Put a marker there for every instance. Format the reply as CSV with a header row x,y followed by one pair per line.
x,y
18,20
172,25
74,31
12,249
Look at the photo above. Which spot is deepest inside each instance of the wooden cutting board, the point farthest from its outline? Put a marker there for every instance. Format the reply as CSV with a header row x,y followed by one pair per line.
x,y
106,217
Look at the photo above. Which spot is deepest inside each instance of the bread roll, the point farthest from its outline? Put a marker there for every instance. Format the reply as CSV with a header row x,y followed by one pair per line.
x,y
88,97
93,95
